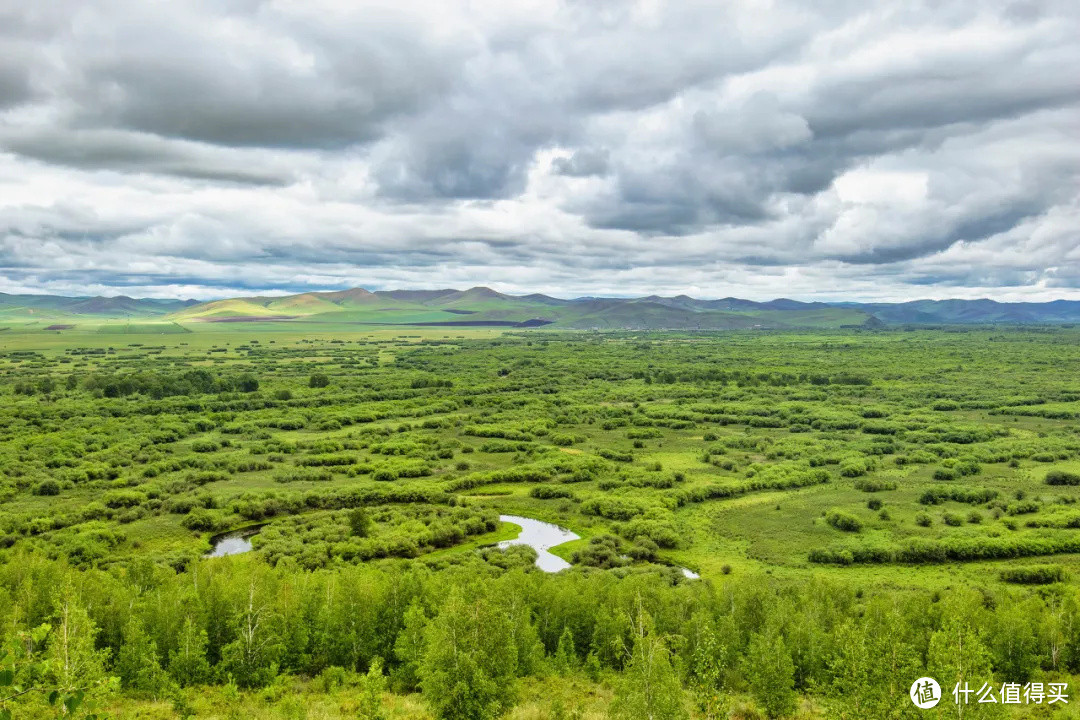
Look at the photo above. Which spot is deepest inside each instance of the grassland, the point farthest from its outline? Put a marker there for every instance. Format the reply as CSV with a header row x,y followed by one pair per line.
x,y
902,467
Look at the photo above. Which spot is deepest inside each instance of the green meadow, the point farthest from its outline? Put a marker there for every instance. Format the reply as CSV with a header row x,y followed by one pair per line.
x,y
863,508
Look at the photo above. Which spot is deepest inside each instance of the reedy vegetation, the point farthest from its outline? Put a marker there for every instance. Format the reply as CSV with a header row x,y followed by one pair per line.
x,y
379,465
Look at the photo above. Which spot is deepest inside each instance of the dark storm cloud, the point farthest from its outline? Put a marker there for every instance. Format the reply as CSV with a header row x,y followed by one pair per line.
x,y
685,144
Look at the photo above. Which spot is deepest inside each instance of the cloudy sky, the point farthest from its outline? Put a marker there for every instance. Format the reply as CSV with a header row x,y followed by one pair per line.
x,y
834,149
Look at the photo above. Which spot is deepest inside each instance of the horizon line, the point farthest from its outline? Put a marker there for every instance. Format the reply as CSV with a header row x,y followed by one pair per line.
x,y
282,293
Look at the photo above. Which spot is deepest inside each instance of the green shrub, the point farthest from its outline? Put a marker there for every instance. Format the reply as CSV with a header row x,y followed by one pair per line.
x,y
1022,507
123,498
855,467
1034,575
843,521
874,484
47,487
938,495
548,492
1061,477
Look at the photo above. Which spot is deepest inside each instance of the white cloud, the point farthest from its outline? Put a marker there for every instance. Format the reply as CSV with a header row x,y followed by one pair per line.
x,y
892,150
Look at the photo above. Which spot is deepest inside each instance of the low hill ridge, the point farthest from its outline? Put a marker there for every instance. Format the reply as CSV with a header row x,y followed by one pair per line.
x,y
485,306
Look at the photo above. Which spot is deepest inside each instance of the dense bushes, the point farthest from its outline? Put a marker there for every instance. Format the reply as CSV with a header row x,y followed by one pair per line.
x,y
778,477
603,551
47,487
161,385
974,496
782,637
612,508
954,550
390,531
1061,477
1036,575
659,530
548,492
326,460
123,498
843,521
854,467
293,476
874,484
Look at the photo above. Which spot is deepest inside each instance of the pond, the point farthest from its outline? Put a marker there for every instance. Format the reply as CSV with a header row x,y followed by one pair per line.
x,y
540,536
232,543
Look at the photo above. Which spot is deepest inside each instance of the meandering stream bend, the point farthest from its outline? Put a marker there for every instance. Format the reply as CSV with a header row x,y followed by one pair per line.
x,y
540,536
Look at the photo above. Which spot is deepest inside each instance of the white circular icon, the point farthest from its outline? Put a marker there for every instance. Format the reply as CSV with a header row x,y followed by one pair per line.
x,y
925,693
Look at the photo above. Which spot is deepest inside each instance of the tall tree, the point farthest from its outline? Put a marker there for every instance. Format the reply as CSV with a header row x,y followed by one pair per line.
x,y
649,689
187,663
77,669
137,661
958,659
251,657
770,672
470,659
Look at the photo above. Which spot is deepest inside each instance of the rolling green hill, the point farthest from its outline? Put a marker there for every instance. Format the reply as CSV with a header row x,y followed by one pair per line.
x,y
484,307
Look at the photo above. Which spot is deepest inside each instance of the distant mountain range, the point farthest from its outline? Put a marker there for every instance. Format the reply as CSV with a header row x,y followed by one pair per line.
x,y
481,306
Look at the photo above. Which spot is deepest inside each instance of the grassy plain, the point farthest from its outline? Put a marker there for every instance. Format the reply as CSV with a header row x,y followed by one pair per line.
x,y
902,461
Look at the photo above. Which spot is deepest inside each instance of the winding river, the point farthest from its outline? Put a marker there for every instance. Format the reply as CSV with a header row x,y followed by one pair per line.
x,y
540,536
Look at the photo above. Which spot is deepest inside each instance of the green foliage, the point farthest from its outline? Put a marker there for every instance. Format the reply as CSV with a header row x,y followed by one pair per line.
x,y
843,521
73,666
372,686
470,664
360,522
1061,477
188,663
565,660
47,488
957,654
974,496
603,551
649,687
1033,575
137,662
372,492
874,485
770,673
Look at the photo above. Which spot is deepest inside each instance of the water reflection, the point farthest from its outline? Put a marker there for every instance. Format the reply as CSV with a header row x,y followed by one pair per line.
x,y
540,536
232,543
